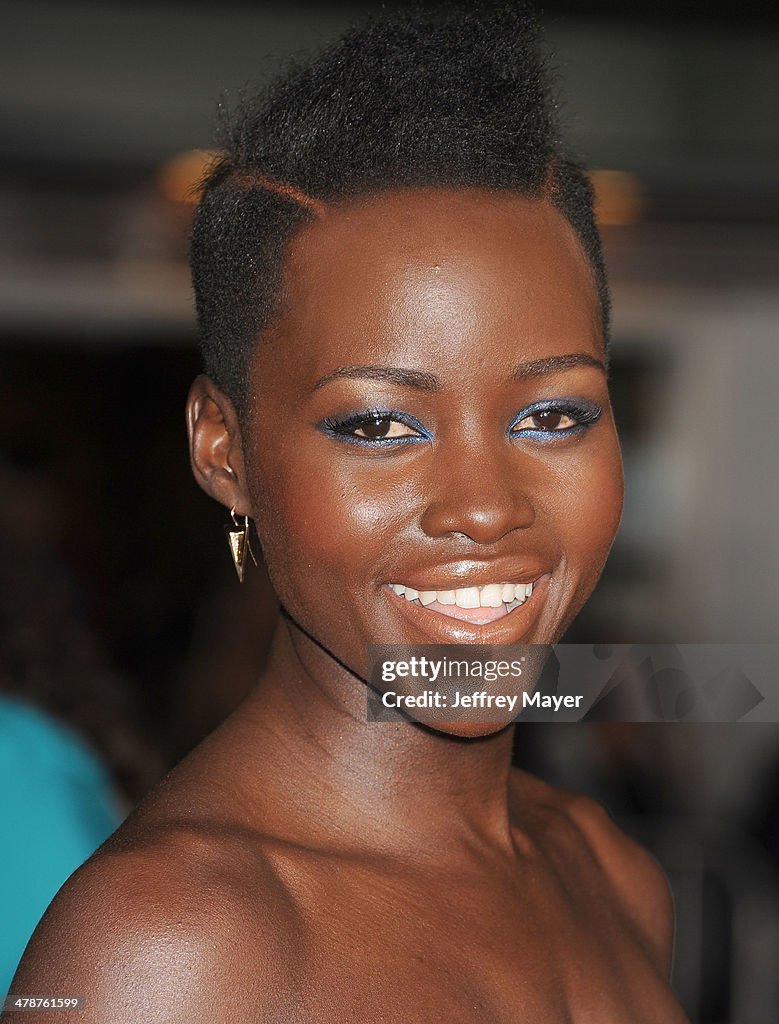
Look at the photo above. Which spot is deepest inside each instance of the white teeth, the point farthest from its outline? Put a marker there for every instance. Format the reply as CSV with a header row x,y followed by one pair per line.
x,y
491,596
467,597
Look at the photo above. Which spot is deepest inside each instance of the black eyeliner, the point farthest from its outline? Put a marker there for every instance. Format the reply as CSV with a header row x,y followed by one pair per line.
x,y
340,427
585,412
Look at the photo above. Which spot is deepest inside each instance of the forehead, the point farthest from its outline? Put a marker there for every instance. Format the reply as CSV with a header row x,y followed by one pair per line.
x,y
440,268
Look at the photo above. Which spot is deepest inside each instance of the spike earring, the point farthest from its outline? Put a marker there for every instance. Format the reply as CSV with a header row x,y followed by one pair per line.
x,y
240,543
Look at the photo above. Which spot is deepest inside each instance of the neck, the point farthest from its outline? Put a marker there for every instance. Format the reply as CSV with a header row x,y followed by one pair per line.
x,y
323,774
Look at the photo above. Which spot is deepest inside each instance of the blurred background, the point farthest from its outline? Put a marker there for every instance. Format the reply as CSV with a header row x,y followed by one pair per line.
x,y
124,637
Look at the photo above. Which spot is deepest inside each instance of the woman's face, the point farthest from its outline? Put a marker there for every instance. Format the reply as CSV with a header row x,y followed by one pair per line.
x,y
429,411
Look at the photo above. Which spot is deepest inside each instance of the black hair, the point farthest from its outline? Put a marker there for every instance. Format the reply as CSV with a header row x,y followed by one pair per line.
x,y
412,100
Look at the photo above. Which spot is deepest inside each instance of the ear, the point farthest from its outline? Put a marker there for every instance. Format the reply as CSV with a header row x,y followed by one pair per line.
x,y
215,445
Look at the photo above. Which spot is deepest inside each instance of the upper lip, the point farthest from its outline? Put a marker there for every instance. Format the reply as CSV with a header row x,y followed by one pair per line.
x,y
468,574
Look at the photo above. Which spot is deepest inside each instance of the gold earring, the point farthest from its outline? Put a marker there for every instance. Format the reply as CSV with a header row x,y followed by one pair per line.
x,y
240,543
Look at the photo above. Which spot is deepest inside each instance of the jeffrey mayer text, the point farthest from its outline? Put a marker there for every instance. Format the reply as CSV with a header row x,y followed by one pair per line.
x,y
480,699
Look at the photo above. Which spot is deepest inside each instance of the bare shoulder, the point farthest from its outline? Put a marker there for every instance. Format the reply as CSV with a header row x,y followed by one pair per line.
x,y
637,879
180,925
636,875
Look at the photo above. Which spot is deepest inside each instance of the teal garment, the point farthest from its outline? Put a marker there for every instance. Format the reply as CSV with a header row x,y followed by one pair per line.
x,y
56,808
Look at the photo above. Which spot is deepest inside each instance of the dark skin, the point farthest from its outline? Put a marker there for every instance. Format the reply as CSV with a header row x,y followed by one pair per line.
x,y
303,865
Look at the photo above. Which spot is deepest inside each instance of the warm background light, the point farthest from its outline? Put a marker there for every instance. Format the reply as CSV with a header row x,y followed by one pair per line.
x,y
179,178
620,198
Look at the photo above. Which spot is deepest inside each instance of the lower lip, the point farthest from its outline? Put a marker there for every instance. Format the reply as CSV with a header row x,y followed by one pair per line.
x,y
505,628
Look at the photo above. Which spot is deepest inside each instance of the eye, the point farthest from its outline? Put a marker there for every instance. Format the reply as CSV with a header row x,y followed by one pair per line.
x,y
375,427
547,420
560,417
381,427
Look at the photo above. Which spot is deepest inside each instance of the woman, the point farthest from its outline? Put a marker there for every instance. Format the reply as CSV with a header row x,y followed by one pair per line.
x,y
404,313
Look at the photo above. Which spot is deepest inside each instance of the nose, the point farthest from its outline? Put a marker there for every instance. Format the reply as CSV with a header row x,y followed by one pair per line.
x,y
479,494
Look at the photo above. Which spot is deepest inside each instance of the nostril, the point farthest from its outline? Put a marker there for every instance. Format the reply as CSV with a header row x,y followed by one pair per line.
x,y
483,519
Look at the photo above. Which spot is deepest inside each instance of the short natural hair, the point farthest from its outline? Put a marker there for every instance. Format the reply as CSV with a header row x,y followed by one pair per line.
x,y
459,100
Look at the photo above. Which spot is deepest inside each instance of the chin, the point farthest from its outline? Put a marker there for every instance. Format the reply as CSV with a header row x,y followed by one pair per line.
x,y
468,730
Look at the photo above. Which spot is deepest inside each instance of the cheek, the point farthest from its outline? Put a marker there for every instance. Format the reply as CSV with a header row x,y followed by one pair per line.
x,y
321,523
589,517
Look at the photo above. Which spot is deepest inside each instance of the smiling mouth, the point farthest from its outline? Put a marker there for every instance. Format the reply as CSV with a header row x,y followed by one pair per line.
x,y
476,605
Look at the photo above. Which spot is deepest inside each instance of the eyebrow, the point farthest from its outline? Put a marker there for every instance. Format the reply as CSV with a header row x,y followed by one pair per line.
x,y
424,381
394,374
557,364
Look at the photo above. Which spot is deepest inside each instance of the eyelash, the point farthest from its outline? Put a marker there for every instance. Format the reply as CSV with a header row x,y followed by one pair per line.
x,y
342,429
586,414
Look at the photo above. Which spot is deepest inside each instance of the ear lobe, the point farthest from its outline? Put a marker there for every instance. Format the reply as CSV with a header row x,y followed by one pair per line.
x,y
215,446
